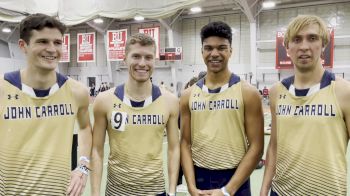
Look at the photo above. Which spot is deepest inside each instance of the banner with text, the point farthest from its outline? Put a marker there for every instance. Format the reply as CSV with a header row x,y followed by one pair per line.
x,y
153,32
65,58
86,47
116,40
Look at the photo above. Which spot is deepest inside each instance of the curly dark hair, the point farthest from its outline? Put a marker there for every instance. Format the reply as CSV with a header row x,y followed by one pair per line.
x,y
217,28
38,22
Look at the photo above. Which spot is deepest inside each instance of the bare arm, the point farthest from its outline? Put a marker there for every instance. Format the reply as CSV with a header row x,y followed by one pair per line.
x,y
173,143
78,179
270,167
254,127
343,95
98,139
185,145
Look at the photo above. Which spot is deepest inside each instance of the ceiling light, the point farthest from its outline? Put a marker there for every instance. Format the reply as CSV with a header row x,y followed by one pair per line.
x,y
196,9
98,20
268,4
139,18
6,30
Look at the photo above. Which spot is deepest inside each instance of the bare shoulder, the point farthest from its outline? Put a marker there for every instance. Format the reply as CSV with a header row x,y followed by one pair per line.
x,y
249,91
342,92
187,92
80,91
342,85
170,97
273,90
102,99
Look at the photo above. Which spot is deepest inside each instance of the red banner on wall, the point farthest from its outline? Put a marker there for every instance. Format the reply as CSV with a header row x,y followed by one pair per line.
x,y
116,40
65,58
284,62
153,32
86,47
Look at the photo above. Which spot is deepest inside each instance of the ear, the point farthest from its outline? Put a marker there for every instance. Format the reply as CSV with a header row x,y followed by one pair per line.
x,y
22,45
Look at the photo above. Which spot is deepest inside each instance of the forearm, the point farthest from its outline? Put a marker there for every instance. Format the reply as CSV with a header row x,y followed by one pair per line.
x,y
173,167
269,173
245,168
85,142
187,165
96,173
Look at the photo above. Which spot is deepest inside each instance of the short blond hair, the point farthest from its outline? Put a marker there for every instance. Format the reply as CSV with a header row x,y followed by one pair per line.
x,y
299,22
142,39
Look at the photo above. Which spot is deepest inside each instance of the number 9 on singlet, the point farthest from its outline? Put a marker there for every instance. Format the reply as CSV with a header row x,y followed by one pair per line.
x,y
118,120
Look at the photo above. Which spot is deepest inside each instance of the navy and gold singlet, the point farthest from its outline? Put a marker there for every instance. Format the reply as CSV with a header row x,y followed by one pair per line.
x,y
311,141
35,138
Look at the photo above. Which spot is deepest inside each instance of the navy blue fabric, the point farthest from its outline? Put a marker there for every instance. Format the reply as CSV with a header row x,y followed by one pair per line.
x,y
61,79
233,80
207,179
155,92
301,92
162,194
42,93
273,193
14,78
326,80
288,81
137,104
119,92
217,90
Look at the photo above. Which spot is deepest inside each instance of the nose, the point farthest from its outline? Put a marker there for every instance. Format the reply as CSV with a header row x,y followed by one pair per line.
x,y
51,47
214,52
304,45
142,61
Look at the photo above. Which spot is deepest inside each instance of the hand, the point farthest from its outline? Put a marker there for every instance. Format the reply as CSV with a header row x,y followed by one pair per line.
x,y
198,192
216,192
77,183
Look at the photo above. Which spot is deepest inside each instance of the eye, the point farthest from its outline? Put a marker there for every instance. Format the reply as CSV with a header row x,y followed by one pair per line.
x,y
149,57
314,38
296,39
42,41
135,56
207,48
222,48
58,43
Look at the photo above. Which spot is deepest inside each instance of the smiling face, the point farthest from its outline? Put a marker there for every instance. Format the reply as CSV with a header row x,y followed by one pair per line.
x,y
216,52
140,61
44,49
305,48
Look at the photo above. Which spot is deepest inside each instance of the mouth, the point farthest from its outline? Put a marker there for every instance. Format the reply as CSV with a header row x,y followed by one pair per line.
x,y
141,70
50,58
304,57
215,61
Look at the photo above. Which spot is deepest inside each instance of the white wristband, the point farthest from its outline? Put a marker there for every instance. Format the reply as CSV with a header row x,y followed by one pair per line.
x,y
83,169
171,194
224,191
84,158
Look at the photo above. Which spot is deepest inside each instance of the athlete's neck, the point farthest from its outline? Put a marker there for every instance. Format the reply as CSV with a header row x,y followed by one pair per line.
x,y
138,91
216,80
304,80
40,80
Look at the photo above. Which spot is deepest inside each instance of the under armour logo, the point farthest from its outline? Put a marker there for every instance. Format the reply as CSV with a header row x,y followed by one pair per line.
x,y
283,96
9,97
117,105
